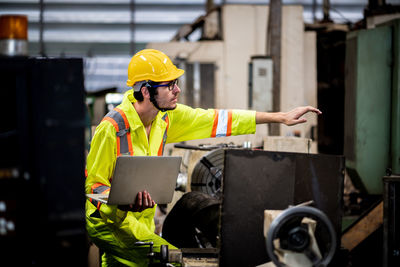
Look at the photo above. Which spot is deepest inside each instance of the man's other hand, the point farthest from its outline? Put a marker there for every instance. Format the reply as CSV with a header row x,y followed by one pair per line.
x,y
293,117
143,201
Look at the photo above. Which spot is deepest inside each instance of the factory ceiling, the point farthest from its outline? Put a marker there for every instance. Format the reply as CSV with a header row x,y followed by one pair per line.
x,y
107,32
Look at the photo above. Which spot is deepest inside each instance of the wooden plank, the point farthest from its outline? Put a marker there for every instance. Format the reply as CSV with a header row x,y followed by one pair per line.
x,y
269,216
361,230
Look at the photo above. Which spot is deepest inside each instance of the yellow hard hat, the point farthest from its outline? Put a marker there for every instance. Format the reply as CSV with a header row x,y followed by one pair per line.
x,y
151,65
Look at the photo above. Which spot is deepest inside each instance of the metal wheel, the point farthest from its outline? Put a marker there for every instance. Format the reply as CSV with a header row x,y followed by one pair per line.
x,y
287,227
207,173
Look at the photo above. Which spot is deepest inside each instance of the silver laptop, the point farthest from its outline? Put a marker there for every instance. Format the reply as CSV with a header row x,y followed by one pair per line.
x,y
133,174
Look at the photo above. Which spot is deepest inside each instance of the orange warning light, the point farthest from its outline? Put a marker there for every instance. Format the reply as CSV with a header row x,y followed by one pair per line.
x,y
14,27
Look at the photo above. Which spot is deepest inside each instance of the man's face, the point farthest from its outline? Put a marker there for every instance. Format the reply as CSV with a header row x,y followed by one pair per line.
x,y
167,96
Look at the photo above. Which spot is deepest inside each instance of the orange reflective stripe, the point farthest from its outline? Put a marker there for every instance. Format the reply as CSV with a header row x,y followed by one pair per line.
x,y
215,124
94,186
102,188
86,173
113,122
229,127
94,203
128,135
161,149
123,115
118,147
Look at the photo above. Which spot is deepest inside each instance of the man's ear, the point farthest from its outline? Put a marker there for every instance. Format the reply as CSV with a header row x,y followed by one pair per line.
x,y
145,92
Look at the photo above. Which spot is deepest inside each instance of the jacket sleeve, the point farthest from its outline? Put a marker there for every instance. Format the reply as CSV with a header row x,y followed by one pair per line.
x,y
187,123
101,159
127,227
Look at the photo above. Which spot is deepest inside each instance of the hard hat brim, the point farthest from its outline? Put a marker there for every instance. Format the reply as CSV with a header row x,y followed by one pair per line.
x,y
170,77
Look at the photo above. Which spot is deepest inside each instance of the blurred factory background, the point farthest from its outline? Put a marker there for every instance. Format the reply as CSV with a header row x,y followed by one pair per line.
x,y
106,33
69,67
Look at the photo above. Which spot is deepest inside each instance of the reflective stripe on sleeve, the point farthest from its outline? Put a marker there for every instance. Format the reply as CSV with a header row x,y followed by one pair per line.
x,y
215,123
222,123
99,188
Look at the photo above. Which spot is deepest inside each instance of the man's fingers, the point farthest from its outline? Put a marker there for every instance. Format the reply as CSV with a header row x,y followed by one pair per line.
x,y
138,202
149,200
145,199
296,121
302,120
310,108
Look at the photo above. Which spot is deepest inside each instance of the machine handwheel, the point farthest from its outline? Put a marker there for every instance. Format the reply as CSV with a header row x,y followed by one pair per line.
x,y
288,228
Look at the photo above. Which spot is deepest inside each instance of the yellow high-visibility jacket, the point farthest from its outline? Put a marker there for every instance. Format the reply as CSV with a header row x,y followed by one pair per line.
x,y
115,231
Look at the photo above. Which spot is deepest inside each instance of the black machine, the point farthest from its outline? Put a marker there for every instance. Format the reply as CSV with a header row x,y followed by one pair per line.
x,y
42,162
241,184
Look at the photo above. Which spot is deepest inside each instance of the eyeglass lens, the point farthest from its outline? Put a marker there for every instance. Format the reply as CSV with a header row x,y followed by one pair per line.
x,y
172,84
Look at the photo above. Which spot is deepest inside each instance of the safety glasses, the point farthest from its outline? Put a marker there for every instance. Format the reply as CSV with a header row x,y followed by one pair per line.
x,y
170,85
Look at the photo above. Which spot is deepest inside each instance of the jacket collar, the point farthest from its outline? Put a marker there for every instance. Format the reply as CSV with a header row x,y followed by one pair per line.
x,y
133,117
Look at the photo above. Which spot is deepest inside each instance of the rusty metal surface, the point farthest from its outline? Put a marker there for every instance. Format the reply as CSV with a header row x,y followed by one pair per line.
x,y
258,180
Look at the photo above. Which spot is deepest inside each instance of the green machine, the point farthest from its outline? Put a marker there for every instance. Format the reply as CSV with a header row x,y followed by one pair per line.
x,y
372,109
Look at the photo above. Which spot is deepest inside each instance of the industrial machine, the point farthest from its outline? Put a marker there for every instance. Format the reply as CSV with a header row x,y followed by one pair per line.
x,y
372,120
42,162
231,189
207,173
372,132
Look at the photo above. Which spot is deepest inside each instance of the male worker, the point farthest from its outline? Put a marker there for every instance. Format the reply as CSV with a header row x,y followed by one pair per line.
x,y
147,118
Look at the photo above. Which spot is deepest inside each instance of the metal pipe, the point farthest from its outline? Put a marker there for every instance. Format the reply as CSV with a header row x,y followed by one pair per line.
x,y
273,49
209,5
314,9
326,9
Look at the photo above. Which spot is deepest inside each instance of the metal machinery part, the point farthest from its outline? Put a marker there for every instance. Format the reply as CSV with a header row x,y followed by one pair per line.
x,y
293,236
193,221
13,35
306,177
255,181
391,218
162,258
208,172
12,47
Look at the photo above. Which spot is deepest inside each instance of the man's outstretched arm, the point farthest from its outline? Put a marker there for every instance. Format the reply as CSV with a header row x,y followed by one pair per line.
x,y
292,117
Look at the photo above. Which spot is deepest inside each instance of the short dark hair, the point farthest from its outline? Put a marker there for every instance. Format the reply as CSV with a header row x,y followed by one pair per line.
x,y
139,95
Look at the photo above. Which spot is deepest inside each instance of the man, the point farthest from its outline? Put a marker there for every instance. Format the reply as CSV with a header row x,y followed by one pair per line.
x,y
148,117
